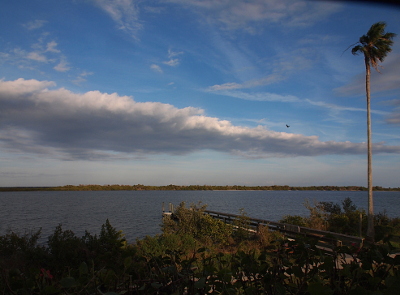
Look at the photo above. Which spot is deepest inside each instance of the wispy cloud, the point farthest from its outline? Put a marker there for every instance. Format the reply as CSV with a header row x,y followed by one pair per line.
x,y
273,97
124,12
335,107
82,77
37,56
36,24
62,66
44,52
273,78
260,96
387,79
243,66
67,125
51,47
173,62
156,68
42,49
172,53
394,116
249,15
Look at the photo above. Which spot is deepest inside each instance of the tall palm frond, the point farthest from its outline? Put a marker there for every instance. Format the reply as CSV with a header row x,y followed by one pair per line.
x,y
375,45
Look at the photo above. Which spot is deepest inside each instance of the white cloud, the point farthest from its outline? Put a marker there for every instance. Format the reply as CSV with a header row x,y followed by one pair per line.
x,y
172,62
44,52
387,79
85,74
62,65
273,78
172,54
156,68
394,117
124,12
248,15
260,96
51,47
37,56
225,86
63,124
280,67
266,96
82,77
21,87
341,108
36,24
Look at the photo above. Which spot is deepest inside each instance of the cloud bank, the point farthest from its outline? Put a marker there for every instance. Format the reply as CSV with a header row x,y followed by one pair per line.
x,y
59,123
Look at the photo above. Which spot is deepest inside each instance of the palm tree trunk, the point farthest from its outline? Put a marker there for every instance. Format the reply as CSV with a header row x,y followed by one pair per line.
x,y
370,227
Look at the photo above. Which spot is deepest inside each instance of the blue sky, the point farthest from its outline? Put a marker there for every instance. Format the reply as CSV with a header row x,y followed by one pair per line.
x,y
194,92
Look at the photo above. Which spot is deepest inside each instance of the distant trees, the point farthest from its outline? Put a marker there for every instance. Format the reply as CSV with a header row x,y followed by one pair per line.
x,y
171,187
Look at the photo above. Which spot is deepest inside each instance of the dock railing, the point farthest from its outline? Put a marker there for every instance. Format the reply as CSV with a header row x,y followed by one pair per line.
x,y
326,238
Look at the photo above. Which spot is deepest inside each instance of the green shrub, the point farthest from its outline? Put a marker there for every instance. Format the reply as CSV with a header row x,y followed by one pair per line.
x,y
177,263
294,219
66,249
193,222
345,219
242,227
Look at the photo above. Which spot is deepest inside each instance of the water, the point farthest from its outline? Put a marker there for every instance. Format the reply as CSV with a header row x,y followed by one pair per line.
x,y
138,213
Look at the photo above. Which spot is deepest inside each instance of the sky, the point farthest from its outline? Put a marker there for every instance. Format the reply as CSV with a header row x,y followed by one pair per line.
x,y
194,92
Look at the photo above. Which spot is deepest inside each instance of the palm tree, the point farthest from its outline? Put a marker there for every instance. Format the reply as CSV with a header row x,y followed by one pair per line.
x,y
375,45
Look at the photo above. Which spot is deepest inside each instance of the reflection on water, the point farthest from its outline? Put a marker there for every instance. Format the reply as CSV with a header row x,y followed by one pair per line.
x,y
138,213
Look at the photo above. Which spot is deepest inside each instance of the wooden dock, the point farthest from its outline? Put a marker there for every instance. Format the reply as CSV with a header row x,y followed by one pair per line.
x,y
326,239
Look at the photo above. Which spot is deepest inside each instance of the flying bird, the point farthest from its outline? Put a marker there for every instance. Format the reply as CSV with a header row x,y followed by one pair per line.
x,y
287,126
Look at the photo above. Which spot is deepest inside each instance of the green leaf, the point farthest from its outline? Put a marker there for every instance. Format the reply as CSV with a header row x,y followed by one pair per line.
x,y
68,282
128,262
142,288
319,289
393,285
298,272
156,285
200,283
51,290
83,269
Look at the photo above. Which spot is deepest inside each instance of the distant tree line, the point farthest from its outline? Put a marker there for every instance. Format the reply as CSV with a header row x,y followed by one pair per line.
x,y
172,187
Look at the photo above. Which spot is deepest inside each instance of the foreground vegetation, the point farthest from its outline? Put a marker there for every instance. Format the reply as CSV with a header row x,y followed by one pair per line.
x,y
195,255
171,187
344,218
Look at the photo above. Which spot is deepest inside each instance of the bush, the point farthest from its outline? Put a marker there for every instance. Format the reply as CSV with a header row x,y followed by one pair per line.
x,y
21,251
178,264
193,222
345,219
294,219
66,249
241,225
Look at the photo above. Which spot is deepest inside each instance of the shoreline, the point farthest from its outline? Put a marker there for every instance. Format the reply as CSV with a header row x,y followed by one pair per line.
x,y
140,187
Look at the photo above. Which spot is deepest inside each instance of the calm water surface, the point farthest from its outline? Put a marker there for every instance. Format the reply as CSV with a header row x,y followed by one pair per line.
x,y
138,213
